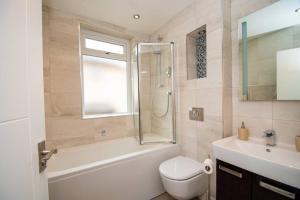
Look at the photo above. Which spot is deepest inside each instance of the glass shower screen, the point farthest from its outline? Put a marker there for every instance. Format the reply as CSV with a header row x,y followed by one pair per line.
x,y
155,64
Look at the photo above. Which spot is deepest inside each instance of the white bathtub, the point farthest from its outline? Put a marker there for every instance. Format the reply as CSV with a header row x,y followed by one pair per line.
x,y
119,169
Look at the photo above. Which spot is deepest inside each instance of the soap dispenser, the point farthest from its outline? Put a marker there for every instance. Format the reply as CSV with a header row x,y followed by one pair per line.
x,y
243,133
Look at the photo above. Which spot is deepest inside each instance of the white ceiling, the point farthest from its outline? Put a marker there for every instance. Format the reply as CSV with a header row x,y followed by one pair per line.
x,y
154,13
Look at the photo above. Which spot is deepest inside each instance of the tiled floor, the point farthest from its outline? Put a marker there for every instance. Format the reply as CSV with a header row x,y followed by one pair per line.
x,y
166,196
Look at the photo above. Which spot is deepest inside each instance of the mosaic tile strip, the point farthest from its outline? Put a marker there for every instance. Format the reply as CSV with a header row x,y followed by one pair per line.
x,y
201,55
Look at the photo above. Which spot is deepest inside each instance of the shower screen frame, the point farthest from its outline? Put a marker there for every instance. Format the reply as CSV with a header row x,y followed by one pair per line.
x,y
171,44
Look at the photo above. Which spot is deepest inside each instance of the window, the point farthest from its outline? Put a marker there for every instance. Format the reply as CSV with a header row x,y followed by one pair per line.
x,y
106,86
103,46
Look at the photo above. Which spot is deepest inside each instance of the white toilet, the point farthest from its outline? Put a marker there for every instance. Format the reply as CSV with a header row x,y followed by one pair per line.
x,y
183,178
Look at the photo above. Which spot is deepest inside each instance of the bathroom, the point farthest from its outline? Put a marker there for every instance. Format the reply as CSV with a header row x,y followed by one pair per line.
x,y
140,100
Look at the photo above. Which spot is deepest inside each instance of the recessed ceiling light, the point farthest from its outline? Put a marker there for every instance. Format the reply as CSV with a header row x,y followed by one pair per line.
x,y
297,10
136,16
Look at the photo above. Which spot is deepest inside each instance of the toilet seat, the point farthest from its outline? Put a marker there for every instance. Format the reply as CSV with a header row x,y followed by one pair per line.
x,y
180,168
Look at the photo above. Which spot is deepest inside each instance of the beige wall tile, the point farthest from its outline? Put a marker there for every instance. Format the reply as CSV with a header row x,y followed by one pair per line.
x,y
63,81
211,100
208,132
190,146
47,102
66,104
187,100
214,74
214,44
251,109
285,110
64,126
286,130
255,126
196,137
227,112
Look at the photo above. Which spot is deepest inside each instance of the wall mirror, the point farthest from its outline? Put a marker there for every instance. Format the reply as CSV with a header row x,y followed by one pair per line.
x,y
269,47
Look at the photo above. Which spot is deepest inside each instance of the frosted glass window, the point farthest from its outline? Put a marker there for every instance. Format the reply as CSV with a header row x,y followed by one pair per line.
x,y
104,86
104,46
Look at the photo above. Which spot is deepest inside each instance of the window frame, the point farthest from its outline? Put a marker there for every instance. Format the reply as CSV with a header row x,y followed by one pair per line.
x,y
87,34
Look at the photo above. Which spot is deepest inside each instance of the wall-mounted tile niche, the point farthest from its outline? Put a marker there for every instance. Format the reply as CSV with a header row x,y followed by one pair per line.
x,y
196,53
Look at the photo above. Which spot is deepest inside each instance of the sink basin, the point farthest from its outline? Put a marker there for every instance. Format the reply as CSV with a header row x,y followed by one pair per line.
x,y
277,163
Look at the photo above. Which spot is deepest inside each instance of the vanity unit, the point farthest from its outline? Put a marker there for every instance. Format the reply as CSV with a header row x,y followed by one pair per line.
x,y
249,170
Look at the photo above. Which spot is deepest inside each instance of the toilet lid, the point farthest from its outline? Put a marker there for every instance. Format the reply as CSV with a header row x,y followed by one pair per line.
x,y
180,168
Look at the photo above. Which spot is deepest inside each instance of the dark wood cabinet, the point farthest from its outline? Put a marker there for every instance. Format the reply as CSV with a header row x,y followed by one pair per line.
x,y
234,183
264,188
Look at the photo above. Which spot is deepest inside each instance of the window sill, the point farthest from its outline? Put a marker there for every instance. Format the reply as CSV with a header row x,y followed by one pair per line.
x,y
106,115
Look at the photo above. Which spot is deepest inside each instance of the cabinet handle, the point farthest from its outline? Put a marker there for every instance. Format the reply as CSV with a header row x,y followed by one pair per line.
x,y
277,190
230,171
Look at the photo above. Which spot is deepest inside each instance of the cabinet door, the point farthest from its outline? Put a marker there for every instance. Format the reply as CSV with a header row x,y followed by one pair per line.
x,y
264,189
233,183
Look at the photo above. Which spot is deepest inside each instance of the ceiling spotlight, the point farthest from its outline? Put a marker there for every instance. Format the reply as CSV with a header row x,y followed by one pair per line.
x,y
297,10
136,16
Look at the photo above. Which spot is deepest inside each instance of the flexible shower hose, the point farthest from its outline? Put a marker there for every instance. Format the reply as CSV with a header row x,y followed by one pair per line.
x,y
167,110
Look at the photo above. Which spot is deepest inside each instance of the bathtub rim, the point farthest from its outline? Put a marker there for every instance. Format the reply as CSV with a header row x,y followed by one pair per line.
x,y
93,166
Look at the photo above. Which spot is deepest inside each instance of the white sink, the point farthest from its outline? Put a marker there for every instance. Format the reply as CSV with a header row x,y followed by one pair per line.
x,y
277,163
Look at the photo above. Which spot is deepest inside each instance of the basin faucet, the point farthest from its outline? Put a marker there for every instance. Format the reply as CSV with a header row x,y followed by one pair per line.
x,y
270,137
